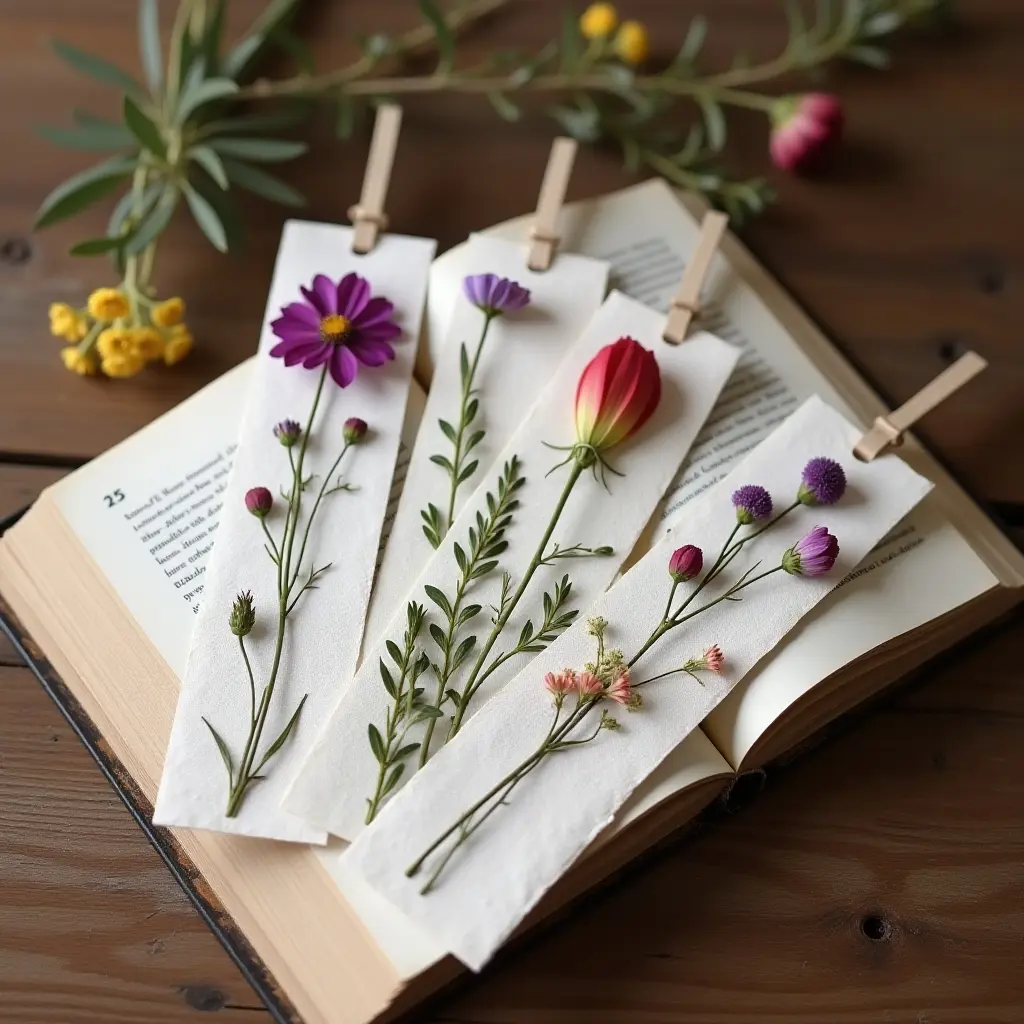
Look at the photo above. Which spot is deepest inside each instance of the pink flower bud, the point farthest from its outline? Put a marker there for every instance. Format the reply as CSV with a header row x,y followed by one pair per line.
x,y
805,129
354,430
814,555
621,690
259,501
617,394
685,563
714,659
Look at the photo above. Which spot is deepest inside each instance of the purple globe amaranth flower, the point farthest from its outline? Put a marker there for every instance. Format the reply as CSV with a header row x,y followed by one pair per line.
x,y
340,324
354,430
814,555
685,563
753,503
494,295
823,482
288,432
259,501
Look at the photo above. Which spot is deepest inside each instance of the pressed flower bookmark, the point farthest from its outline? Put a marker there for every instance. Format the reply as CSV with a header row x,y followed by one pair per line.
x,y
510,329
499,815
289,582
537,543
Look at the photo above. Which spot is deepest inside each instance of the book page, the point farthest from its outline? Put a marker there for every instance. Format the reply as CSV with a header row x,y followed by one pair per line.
x,y
147,511
922,570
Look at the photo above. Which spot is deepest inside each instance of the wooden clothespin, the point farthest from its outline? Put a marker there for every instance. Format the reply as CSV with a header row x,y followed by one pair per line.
x,y
368,216
888,430
686,304
544,237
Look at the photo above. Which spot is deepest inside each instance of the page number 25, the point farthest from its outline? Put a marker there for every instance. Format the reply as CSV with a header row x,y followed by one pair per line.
x,y
114,498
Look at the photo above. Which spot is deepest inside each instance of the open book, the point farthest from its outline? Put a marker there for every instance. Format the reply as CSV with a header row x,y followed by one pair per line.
x,y
101,578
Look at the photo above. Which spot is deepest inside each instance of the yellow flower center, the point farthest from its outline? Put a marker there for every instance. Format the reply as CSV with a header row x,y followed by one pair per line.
x,y
334,328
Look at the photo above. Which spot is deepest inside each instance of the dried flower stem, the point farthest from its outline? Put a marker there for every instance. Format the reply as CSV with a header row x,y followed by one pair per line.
x,y
478,674
558,737
289,590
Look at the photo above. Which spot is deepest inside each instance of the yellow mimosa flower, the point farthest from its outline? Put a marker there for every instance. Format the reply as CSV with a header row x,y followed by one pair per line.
x,y
63,321
106,304
169,312
82,363
632,43
178,345
598,21
115,342
148,342
126,365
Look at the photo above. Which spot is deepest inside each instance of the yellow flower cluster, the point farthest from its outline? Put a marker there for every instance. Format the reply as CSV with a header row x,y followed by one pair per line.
x,y
117,337
631,43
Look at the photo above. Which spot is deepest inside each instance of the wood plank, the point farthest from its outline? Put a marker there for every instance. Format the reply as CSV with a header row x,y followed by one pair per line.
x,y
92,925
906,252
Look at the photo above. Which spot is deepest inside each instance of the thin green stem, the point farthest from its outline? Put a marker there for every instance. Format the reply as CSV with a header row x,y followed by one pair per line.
x,y
284,571
252,683
469,379
474,682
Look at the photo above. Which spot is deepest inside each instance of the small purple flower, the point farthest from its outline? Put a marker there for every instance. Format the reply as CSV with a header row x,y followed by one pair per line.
x,y
824,482
259,501
814,555
685,563
354,430
753,503
494,295
288,432
339,324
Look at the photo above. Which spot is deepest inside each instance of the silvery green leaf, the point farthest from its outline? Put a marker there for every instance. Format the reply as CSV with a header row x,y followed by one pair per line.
x,y
83,189
443,37
99,137
395,652
447,429
198,95
696,34
376,742
437,634
225,754
583,125
144,128
98,68
211,163
388,681
240,56
206,217
403,752
285,733
392,780
439,599
467,472
871,56
714,121
97,246
154,222
883,23
462,651
252,179
444,463
506,109
149,44
275,15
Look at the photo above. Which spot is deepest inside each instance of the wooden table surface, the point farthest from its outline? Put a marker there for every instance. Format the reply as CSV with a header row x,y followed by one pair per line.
x,y
881,879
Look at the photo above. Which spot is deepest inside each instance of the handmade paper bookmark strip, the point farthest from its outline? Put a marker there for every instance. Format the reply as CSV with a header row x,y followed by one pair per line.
x,y
519,851
217,707
603,513
522,349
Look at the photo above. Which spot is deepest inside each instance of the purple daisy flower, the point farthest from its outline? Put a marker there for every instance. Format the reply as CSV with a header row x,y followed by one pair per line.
x,y
339,324
814,555
753,503
494,295
824,482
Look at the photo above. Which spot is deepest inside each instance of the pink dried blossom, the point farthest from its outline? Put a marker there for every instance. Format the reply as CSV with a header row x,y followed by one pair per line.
x,y
621,690
805,129
558,684
714,659
588,685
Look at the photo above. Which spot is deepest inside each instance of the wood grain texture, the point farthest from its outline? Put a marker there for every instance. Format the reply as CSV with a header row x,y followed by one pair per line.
x,y
908,251
878,880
